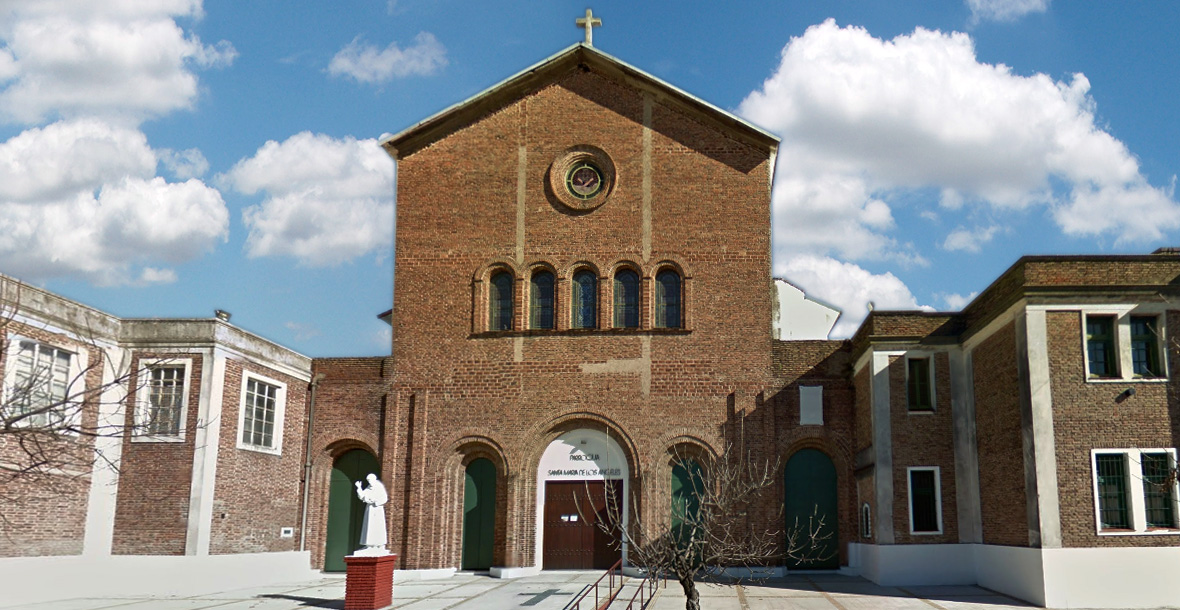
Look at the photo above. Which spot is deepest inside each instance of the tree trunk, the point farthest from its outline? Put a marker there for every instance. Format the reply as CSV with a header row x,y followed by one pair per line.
x,y
692,599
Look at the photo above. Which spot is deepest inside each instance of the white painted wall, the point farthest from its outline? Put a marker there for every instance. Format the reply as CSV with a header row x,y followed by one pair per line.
x,y
1012,570
28,580
1112,578
917,564
797,317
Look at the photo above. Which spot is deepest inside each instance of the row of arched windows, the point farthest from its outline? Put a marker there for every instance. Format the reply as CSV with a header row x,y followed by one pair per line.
x,y
583,307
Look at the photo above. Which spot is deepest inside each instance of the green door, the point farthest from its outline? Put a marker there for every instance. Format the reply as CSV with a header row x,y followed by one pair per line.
x,y
810,485
479,514
346,512
687,483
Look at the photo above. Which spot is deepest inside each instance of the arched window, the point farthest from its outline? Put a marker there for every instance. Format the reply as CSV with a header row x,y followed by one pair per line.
x,y
866,523
626,299
541,300
584,300
668,299
500,301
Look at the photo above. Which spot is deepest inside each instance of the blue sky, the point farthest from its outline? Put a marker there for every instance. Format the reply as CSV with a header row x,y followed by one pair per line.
x,y
163,158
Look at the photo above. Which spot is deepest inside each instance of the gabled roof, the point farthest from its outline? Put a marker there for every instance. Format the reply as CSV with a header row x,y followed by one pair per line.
x,y
549,70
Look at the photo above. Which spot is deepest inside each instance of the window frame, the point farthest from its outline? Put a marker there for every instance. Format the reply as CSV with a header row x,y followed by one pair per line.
x,y
143,401
866,521
1123,342
661,299
578,298
536,308
937,498
494,299
1135,493
928,357
616,299
74,375
279,411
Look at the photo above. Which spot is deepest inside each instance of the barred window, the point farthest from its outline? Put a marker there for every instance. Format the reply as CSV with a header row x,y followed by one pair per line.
x,y
925,501
1159,481
1112,491
165,400
584,300
258,422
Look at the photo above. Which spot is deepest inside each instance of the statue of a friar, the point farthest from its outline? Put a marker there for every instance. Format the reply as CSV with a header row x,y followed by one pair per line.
x,y
373,536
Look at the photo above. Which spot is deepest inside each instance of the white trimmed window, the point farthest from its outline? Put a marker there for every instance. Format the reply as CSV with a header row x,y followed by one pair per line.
x,y
163,387
37,385
1135,491
260,422
1121,344
925,492
919,382
866,521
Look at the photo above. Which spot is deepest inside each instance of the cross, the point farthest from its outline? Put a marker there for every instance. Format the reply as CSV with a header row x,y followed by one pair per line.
x,y
589,22
542,596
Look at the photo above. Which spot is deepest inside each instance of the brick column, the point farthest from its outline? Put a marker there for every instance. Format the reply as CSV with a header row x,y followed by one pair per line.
x,y
369,582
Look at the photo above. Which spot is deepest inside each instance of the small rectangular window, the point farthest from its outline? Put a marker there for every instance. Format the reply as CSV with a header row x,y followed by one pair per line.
x,y
1112,491
258,424
39,386
918,384
1158,483
1100,346
165,400
925,501
1145,356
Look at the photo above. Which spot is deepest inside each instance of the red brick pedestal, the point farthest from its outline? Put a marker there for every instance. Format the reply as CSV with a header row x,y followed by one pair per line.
x,y
369,582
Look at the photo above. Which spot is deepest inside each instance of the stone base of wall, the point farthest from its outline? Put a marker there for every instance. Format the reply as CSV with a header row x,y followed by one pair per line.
x,y
1058,578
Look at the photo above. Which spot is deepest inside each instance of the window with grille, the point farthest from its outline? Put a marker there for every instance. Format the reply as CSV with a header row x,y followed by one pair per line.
x,y
165,400
668,299
1112,491
500,301
584,300
1145,356
1100,346
925,503
918,390
626,299
541,300
1159,482
260,414
39,385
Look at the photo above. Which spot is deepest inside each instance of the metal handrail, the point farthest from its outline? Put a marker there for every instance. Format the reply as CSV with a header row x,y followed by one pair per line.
x,y
646,591
601,601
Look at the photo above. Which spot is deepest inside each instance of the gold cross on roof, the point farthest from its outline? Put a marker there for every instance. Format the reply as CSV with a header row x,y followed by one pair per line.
x,y
589,22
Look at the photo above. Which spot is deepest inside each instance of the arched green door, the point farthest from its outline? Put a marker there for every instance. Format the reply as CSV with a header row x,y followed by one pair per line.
x,y
687,481
479,514
810,485
346,512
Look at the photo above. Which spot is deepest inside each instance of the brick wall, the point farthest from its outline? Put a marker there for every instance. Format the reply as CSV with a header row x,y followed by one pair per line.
x,y
1086,416
43,511
998,431
256,494
152,506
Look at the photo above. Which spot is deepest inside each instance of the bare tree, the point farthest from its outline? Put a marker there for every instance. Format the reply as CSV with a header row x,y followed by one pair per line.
x,y
711,525
61,415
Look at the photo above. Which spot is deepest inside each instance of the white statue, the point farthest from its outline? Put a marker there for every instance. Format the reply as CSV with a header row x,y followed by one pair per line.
x,y
373,537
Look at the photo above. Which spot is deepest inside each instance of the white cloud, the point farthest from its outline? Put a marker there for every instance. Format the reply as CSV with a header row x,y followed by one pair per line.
x,y
955,301
1004,10
81,199
327,200
303,332
365,63
866,121
969,240
848,287
184,164
127,59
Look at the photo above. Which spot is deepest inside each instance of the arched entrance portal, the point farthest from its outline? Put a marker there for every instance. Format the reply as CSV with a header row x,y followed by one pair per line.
x,y
810,485
346,512
479,514
581,474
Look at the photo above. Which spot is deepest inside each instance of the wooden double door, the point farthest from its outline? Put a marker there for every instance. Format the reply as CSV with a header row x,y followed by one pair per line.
x,y
573,540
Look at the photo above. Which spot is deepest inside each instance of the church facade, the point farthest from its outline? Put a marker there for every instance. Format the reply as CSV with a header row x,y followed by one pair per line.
x,y
584,302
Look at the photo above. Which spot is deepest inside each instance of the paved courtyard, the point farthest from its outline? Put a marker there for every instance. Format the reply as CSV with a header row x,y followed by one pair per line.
x,y
555,591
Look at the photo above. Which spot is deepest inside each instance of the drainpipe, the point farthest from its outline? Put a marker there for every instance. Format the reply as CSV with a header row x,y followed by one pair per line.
x,y
315,381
